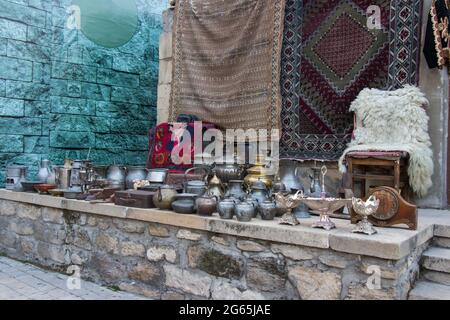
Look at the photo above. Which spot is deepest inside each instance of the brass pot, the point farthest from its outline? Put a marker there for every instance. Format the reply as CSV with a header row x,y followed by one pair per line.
x,y
164,197
258,172
216,187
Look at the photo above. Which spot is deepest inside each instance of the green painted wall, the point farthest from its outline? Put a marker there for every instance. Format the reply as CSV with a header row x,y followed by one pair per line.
x,y
62,95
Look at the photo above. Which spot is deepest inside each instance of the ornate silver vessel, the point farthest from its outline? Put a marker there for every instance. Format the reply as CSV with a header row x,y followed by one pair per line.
x,y
289,201
365,210
325,206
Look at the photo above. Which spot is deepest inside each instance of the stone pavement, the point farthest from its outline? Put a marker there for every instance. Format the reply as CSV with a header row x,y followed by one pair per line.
x,y
22,281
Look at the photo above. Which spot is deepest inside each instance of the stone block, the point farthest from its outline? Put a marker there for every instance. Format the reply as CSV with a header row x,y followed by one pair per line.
x,y
126,125
8,239
11,107
337,260
39,36
3,46
59,87
78,123
75,54
107,243
293,252
97,58
41,4
52,215
116,78
158,231
437,259
188,235
16,69
149,75
36,144
124,141
441,242
28,211
27,90
129,225
81,238
7,208
59,16
72,106
143,95
108,267
22,228
130,248
13,30
266,274
187,281
41,72
36,109
59,52
96,92
54,234
128,63
27,246
165,46
160,253
52,252
29,51
146,272
312,284
11,143
224,290
125,110
247,245
74,89
436,276
165,72
72,71
220,240
69,139
17,12
215,262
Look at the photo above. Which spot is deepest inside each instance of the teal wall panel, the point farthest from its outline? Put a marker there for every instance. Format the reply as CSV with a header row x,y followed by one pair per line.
x,y
70,92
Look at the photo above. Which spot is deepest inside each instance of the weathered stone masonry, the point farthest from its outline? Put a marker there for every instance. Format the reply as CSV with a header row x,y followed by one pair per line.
x,y
172,262
61,94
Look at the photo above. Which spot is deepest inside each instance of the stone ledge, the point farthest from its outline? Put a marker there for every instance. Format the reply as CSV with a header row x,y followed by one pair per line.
x,y
389,243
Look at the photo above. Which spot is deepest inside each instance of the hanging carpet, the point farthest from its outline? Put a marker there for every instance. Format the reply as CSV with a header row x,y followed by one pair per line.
x,y
330,55
227,62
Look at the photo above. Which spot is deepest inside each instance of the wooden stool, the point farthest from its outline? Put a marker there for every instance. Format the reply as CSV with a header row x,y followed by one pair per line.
x,y
388,168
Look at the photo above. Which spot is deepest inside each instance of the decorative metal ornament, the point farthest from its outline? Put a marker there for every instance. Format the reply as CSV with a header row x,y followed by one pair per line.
x,y
289,202
365,209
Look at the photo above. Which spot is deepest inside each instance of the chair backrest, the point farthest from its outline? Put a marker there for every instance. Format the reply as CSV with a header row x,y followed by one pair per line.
x,y
390,117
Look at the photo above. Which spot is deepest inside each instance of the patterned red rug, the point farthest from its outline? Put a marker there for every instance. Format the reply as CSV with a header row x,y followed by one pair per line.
x,y
329,56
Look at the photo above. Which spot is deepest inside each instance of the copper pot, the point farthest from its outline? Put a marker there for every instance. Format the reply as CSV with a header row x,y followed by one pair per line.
x,y
206,205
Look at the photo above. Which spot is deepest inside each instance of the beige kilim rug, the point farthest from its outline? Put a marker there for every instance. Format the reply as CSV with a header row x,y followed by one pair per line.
x,y
227,62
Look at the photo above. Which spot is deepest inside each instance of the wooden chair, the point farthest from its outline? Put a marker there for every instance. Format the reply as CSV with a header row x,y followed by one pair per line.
x,y
381,168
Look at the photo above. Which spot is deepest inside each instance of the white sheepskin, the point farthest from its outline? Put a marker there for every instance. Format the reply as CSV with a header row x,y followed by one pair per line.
x,y
395,121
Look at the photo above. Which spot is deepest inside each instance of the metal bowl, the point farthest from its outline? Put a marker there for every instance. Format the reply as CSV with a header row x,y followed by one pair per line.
x,y
28,186
44,187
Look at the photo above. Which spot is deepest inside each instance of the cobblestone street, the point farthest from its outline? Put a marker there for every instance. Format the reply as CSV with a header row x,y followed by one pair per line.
x,y
21,281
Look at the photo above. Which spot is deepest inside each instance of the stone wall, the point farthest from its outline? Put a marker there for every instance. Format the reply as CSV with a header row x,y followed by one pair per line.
x,y
62,95
167,262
